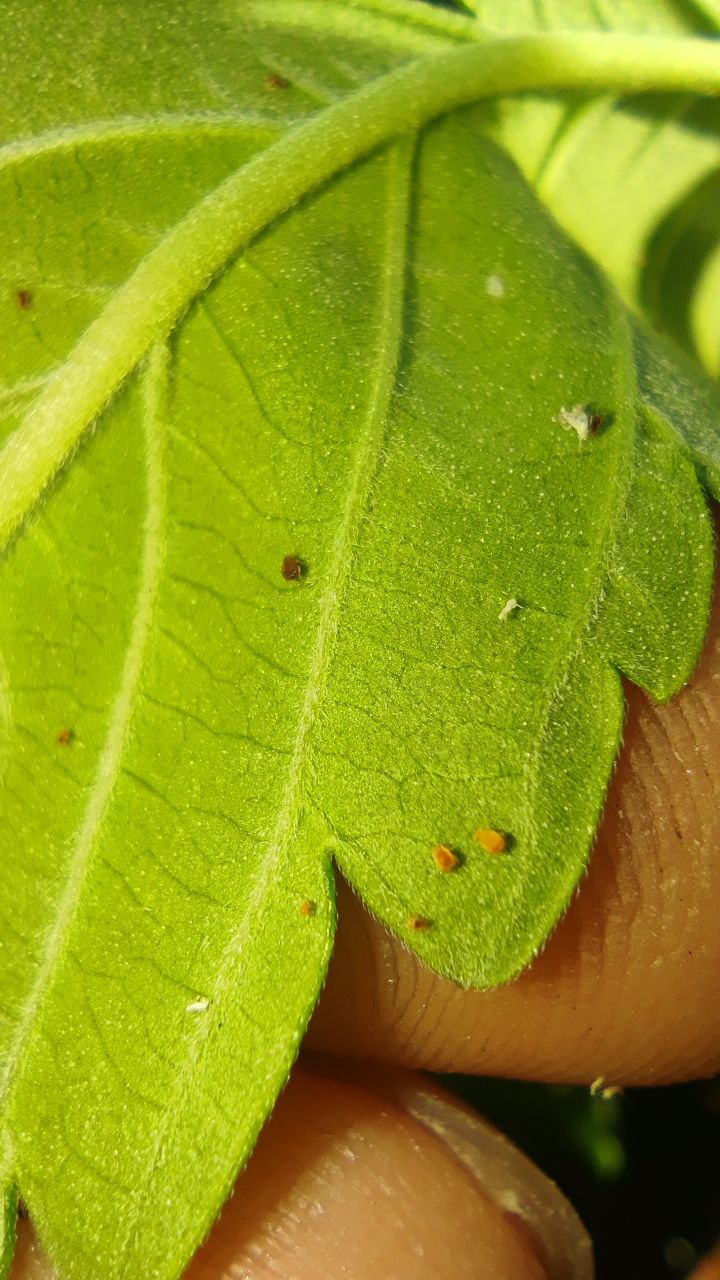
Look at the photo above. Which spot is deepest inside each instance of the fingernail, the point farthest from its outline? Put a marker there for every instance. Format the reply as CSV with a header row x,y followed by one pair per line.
x,y
506,1176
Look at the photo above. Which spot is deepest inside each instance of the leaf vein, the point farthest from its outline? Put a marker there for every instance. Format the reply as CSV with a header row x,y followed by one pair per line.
x,y
109,763
235,959
125,128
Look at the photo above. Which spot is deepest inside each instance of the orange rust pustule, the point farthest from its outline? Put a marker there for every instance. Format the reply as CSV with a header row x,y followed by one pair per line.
x,y
292,569
491,841
275,81
65,737
445,859
307,908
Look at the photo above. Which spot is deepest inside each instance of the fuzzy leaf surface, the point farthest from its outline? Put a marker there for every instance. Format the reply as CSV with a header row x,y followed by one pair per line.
x,y
372,383
634,181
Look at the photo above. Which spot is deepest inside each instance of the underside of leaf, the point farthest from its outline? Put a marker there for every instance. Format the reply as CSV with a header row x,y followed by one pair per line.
x,y
339,498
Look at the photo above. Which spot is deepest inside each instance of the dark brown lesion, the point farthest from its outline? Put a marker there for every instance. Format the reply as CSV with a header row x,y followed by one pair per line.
x,y
293,569
419,924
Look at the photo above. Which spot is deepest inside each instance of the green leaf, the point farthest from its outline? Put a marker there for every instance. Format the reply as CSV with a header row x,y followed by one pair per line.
x,y
311,310
9,1225
635,183
614,170
705,313
679,278
611,169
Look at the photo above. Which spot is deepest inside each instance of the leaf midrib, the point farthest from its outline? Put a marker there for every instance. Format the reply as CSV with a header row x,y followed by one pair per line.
x,y
391,313
365,469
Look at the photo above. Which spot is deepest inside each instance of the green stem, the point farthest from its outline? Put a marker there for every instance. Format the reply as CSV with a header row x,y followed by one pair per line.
x,y
147,307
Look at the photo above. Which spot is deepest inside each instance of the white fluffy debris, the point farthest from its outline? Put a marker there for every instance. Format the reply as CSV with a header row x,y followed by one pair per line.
x,y
509,607
577,419
495,286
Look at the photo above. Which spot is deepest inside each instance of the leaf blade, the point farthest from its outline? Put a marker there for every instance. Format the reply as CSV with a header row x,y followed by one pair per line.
x,y
261,724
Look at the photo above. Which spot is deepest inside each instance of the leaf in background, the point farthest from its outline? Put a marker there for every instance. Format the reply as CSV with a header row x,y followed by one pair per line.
x,y
680,282
705,312
375,389
613,171
635,182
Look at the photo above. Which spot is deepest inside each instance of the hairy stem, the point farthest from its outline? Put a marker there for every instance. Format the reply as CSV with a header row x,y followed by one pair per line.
x,y
146,308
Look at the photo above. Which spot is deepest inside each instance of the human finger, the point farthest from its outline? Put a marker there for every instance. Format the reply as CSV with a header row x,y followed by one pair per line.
x,y
627,986
381,1177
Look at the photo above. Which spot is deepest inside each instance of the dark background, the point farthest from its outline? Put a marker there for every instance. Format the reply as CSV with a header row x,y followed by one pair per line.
x,y
642,1169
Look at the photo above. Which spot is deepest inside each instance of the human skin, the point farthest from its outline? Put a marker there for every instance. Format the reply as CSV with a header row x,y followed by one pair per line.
x,y
358,1174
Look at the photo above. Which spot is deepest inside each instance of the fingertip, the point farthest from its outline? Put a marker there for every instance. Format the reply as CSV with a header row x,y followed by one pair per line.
x,y
30,1262
626,986
372,1174
709,1268
346,1181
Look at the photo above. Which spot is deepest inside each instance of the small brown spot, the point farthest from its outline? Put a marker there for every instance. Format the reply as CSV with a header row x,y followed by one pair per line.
x,y
275,81
24,299
445,859
292,569
595,421
491,841
307,908
419,923
65,737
